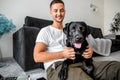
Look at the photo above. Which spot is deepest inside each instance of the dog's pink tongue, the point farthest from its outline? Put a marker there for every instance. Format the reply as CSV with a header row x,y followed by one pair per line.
x,y
77,45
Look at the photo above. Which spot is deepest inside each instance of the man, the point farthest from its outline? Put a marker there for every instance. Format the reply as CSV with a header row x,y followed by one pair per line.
x,y
50,48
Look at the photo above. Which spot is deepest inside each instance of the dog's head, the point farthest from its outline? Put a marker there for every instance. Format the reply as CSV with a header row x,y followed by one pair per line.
x,y
76,33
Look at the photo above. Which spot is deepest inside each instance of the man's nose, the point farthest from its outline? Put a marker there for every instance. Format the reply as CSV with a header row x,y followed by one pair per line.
x,y
58,12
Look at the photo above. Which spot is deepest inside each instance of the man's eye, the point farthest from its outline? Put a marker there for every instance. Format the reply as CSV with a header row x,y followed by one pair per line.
x,y
62,10
55,10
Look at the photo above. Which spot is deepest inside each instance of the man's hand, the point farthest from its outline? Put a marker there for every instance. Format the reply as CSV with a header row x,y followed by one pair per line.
x,y
69,53
88,52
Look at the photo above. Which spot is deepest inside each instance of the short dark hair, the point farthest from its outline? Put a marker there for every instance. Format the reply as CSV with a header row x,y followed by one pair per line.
x,y
56,1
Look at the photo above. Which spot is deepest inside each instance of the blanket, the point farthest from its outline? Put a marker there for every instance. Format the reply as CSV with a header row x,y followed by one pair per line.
x,y
100,45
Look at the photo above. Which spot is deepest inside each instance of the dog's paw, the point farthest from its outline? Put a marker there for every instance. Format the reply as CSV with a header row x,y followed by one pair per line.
x,y
62,75
89,69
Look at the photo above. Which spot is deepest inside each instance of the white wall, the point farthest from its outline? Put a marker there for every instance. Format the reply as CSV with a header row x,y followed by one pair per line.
x,y
111,7
76,10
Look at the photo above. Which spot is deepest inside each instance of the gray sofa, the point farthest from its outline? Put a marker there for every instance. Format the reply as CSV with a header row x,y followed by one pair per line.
x,y
24,41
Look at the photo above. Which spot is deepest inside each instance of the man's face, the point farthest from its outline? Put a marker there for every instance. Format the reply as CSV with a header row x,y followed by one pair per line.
x,y
57,11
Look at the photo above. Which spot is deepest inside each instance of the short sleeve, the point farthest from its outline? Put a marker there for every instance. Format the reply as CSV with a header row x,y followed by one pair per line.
x,y
42,36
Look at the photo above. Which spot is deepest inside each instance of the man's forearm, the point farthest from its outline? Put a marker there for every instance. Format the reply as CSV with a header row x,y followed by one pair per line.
x,y
47,56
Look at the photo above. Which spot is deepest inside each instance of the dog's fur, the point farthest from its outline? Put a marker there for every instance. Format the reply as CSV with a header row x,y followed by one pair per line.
x,y
76,33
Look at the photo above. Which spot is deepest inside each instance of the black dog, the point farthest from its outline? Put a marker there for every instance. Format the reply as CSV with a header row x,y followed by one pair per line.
x,y
76,33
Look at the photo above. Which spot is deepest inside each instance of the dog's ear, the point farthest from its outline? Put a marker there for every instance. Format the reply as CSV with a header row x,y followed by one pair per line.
x,y
66,28
87,32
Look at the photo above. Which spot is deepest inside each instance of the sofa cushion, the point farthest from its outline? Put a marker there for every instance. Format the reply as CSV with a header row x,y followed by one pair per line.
x,y
36,22
96,32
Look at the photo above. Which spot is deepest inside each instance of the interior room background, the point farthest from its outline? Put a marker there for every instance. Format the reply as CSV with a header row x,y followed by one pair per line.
x,y
97,13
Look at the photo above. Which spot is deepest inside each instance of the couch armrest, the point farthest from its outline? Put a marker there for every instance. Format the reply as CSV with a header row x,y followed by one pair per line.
x,y
23,45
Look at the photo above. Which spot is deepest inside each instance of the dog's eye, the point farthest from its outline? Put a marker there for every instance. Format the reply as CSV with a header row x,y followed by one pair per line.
x,y
73,28
82,29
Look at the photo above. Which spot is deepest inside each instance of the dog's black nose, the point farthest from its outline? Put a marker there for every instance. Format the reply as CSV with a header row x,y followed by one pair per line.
x,y
78,37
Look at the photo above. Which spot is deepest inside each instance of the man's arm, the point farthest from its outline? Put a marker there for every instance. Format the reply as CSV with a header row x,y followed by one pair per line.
x,y
40,54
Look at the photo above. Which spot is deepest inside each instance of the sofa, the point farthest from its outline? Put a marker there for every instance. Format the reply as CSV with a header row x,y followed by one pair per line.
x,y
24,41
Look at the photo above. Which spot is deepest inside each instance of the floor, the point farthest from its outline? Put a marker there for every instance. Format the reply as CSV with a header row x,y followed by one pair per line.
x,y
12,69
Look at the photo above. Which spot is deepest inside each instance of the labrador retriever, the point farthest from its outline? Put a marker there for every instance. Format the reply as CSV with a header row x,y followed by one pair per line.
x,y
76,33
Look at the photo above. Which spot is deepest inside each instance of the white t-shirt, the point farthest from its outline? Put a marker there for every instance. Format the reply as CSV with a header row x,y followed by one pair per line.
x,y
55,40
